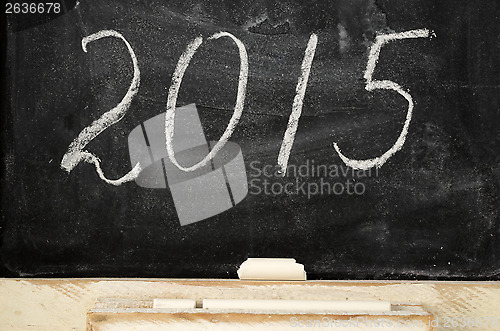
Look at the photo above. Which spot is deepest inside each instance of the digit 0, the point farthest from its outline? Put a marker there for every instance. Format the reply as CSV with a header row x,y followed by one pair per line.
x,y
180,69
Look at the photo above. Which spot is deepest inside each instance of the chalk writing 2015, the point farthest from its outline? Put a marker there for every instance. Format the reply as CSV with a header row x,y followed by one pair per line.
x,y
76,153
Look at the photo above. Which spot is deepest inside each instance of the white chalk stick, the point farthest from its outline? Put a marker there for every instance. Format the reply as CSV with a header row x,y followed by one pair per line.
x,y
174,303
271,269
298,305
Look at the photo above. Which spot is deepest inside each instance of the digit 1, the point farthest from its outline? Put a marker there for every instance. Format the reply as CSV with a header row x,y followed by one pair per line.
x,y
300,91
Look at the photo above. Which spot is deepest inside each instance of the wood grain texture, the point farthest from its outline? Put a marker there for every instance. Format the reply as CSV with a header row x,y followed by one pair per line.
x,y
62,304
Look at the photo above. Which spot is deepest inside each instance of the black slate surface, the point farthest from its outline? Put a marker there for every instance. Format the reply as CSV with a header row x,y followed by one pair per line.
x,y
431,212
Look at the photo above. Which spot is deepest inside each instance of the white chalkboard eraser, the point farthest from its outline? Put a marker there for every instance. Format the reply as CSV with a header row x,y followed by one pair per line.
x,y
271,269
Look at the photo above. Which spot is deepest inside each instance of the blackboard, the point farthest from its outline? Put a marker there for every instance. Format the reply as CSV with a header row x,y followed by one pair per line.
x,y
426,206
